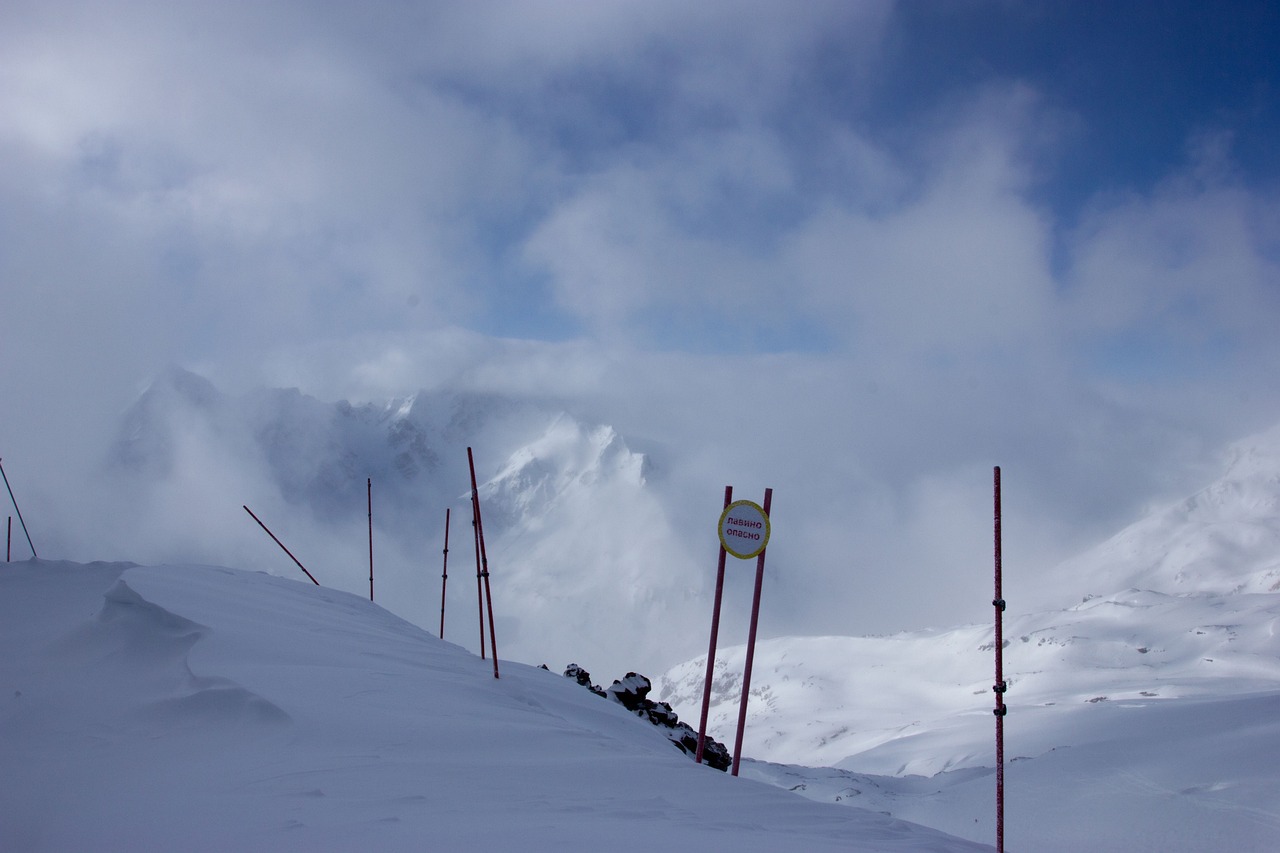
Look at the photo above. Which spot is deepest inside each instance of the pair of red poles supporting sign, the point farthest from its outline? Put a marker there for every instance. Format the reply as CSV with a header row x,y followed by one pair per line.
x,y
744,533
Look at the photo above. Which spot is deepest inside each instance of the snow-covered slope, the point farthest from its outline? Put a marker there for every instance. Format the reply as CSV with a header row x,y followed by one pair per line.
x,y
582,554
1163,777
1223,539
199,708
920,702
1173,624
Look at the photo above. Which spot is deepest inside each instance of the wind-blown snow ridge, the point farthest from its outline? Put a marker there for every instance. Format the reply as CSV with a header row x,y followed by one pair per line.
x,y
202,708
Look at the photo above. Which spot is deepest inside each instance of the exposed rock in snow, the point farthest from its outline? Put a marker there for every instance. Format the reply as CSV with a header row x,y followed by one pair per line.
x,y
632,693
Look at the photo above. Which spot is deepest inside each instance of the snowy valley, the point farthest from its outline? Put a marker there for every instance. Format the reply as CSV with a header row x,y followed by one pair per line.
x,y
184,706
1145,714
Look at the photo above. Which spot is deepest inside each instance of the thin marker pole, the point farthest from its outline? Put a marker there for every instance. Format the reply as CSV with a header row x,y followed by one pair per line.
x,y
1000,686
444,577
17,509
281,544
484,562
8,545
751,646
370,484
715,632
475,535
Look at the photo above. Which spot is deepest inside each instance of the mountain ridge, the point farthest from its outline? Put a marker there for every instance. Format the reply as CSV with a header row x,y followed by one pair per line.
x,y
556,491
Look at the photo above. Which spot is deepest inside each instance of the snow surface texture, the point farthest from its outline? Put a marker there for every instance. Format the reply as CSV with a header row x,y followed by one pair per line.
x,y
200,708
1145,715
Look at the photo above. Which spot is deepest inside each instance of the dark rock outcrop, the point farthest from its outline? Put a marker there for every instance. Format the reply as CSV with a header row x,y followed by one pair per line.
x,y
632,693
583,677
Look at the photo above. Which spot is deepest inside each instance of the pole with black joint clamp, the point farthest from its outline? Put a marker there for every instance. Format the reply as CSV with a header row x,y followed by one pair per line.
x,y
444,576
370,489
1001,686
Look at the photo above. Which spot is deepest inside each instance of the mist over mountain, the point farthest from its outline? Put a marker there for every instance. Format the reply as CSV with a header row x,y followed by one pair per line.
x,y
320,453
583,558
1147,666
593,555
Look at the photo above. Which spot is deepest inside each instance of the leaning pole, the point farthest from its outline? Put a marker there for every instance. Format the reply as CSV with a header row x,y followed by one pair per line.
x,y
18,510
711,651
484,560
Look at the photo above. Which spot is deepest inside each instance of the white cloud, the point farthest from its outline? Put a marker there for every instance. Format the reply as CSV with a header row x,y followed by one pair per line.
x,y
1191,265
330,197
627,248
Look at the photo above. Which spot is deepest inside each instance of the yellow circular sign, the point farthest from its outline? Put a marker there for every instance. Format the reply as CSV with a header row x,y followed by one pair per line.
x,y
744,529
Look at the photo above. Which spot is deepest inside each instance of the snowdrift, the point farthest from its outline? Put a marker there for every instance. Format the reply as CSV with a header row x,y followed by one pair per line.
x,y
201,708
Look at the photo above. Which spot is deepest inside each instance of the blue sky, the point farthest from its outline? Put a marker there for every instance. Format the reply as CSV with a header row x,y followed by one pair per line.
x,y
554,171
1134,81
938,235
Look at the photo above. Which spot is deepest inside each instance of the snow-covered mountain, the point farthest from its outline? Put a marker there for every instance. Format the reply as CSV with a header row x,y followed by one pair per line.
x,y
582,555
213,709
1144,674
1223,539
319,455
1174,616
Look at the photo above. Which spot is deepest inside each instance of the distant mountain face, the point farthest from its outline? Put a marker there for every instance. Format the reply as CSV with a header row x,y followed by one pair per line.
x,y
1223,539
581,551
319,454
1185,603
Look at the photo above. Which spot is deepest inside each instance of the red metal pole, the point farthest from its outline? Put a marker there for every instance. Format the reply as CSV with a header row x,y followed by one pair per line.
x,y
444,577
475,535
1000,686
281,544
715,631
751,646
370,538
484,562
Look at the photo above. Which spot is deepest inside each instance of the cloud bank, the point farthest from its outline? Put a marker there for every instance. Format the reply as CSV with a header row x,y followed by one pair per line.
x,y
776,244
